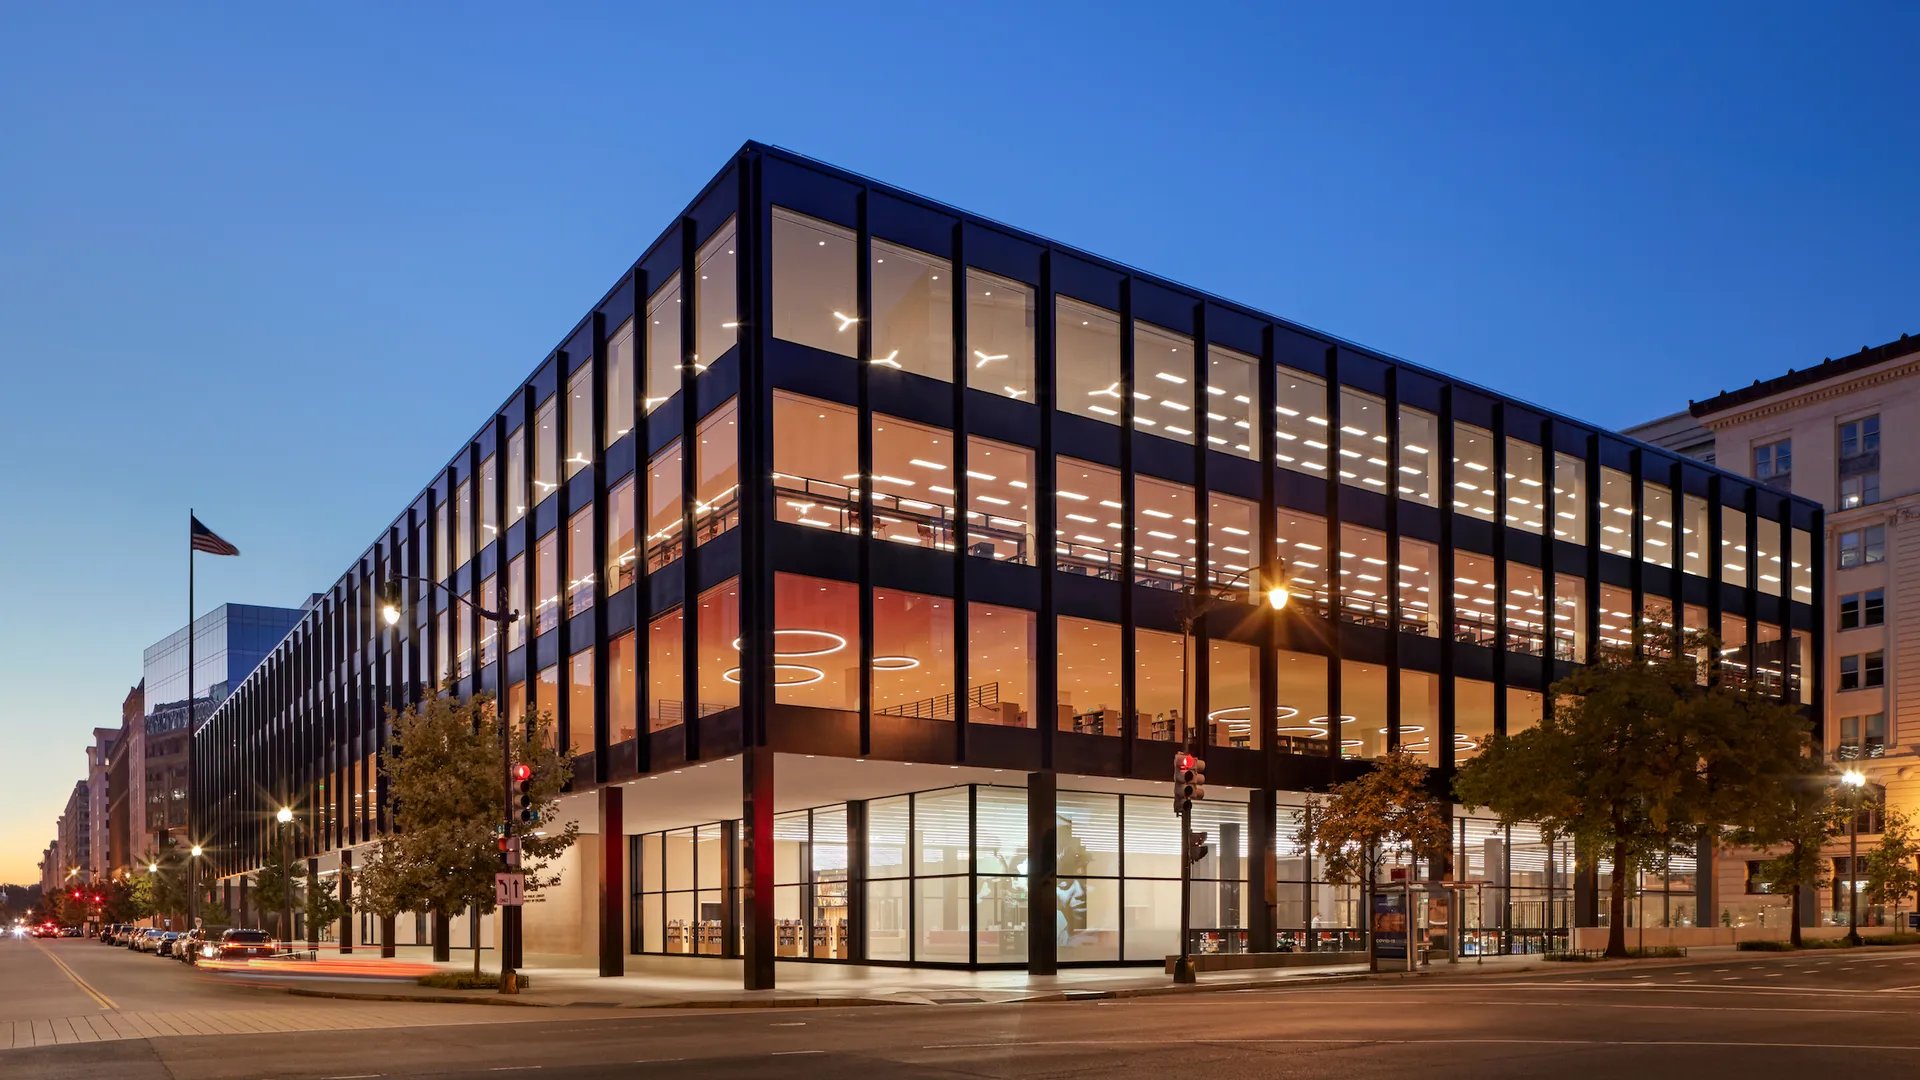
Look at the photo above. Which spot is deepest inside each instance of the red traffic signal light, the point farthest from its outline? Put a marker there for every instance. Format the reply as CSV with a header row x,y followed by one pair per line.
x,y
522,772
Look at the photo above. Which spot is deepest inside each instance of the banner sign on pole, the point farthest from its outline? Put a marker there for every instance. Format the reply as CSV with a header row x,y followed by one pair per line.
x,y
1390,924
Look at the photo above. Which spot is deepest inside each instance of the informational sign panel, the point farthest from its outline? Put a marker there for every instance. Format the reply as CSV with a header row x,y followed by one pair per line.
x,y
509,890
1390,924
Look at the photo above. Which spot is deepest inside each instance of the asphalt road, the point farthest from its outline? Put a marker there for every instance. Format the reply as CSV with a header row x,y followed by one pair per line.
x,y
1795,1015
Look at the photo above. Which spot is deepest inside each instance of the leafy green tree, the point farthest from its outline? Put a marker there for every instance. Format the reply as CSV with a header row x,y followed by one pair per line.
x,y
274,885
320,900
1636,761
1795,824
1353,828
443,772
160,893
1893,866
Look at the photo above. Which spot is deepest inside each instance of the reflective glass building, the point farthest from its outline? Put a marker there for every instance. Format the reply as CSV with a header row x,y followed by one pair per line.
x,y
875,557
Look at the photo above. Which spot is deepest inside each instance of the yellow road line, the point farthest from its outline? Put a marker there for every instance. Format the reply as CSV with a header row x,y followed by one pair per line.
x,y
99,998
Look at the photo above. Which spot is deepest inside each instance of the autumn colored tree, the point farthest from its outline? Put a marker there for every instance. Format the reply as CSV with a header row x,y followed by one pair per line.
x,y
1355,825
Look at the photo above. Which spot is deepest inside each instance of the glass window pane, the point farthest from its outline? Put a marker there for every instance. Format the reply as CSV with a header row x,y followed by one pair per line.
x,y
622,556
1090,672
943,920
814,301
1694,528
714,308
1420,715
580,711
488,596
620,386
621,689
1417,563
486,497
1802,566
1230,568
1363,709
912,488
1656,524
1526,485
1474,491
461,523
546,583
1767,556
665,507
942,833
663,344
1000,665
1300,540
1163,531
1733,547
1163,382
546,452
1363,576
816,625
913,663
1569,617
716,504
999,335
517,475
1087,360
816,463
1473,599
1472,717
1302,706
1000,830
1300,421
516,597
1569,498
1000,486
1233,400
580,569
442,537
1616,512
580,419
1159,696
718,627
1419,457
912,311
887,821
1088,507
1363,440
1233,690
666,679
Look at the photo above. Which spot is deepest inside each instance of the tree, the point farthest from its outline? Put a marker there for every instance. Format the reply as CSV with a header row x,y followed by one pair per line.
x,y
161,892
274,889
1893,867
1637,759
322,904
1353,827
1796,822
443,773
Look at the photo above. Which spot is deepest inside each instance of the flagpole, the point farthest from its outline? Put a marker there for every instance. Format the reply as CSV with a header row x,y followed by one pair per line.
x,y
192,886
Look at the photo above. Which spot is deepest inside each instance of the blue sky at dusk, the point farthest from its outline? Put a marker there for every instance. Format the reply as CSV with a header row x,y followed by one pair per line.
x,y
276,262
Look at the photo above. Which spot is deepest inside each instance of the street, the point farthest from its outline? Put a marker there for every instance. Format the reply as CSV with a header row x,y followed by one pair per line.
x,y
1754,1015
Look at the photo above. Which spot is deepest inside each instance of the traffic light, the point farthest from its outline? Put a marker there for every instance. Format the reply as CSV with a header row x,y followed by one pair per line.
x,y
1189,780
1196,846
523,775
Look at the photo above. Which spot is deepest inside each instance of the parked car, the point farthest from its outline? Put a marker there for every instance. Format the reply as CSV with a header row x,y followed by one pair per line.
x,y
192,946
109,934
72,931
149,939
164,946
242,944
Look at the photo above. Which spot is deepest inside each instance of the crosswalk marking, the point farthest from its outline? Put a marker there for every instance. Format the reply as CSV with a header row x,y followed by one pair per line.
x,y
123,1024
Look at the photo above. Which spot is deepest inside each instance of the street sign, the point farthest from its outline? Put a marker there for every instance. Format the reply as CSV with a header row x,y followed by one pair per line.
x,y
510,889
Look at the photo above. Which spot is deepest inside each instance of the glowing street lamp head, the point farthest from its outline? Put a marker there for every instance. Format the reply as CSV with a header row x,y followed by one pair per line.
x,y
1277,597
284,816
1854,778
390,603
196,851
153,868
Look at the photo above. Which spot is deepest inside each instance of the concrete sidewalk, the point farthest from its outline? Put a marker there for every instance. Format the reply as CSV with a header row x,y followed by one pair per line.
x,y
703,983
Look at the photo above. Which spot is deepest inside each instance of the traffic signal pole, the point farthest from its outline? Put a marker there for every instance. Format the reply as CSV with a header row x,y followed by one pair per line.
x,y
1183,964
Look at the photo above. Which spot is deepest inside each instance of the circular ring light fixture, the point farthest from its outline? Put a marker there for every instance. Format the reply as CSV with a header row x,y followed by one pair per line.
x,y
837,641
1309,732
895,663
808,675
1285,712
1229,710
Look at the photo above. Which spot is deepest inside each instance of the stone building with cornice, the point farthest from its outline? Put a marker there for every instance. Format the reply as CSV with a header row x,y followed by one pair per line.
x,y
1844,432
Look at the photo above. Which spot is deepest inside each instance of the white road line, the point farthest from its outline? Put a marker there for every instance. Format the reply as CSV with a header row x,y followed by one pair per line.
x,y
1320,1040
794,1053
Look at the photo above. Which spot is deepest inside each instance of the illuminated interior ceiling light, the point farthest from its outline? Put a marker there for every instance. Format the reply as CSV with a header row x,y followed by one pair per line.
x,y
838,643
1228,711
987,358
895,663
807,676
1170,377
1112,391
889,359
845,321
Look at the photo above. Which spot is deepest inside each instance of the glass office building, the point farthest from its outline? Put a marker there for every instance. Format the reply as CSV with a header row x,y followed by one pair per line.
x,y
875,558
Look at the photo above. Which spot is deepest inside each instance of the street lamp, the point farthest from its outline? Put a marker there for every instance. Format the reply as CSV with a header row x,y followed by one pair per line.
x,y
1856,781
1196,605
193,887
285,817
392,598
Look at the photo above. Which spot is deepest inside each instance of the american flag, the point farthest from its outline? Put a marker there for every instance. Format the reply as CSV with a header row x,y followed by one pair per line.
x,y
205,539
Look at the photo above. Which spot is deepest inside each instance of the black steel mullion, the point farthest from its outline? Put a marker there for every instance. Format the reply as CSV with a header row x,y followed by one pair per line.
x,y
1336,588
562,557
1394,650
1046,711
1129,638
596,449
689,497
863,356
1636,544
1716,569
1503,643
642,561
1752,504
1549,597
1445,608
1266,530
1596,528
1202,644
962,494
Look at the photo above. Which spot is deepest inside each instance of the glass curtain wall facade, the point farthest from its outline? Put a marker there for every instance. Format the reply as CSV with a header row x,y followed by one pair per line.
x,y
881,479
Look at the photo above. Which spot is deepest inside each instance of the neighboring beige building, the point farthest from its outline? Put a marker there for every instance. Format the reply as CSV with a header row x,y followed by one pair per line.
x,y
1847,433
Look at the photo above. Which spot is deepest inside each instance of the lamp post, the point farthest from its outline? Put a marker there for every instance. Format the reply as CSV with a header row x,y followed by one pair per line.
x,y
1856,782
1196,606
193,886
285,817
391,602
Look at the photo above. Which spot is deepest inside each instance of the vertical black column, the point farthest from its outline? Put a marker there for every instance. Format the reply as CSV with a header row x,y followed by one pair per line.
x,y
1444,588
313,889
1200,648
1129,709
1263,871
1751,653
1394,704
1716,570
1043,946
1784,609
863,412
1503,643
603,723
563,557
857,880
756,850
690,498
1044,557
1336,588
1596,527
1637,548
613,879
1817,574
346,899
1586,895
962,498
1265,724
